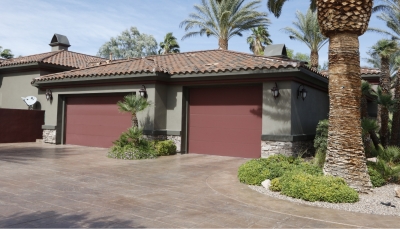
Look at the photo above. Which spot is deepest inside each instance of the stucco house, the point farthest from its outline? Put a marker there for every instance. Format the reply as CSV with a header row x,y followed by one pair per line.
x,y
208,102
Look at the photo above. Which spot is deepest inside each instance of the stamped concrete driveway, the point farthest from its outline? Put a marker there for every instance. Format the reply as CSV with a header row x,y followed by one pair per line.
x,y
71,186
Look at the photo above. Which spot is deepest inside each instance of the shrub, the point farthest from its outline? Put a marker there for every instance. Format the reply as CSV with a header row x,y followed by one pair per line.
x,y
256,171
132,146
319,159
321,136
300,185
165,148
275,185
253,172
376,178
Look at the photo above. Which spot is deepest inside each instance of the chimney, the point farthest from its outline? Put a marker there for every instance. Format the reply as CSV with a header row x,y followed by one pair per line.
x,y
59,42
278,50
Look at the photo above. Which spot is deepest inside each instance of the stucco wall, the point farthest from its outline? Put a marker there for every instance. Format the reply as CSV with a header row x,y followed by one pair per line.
x,y
306,114
174,108
276,118
13,86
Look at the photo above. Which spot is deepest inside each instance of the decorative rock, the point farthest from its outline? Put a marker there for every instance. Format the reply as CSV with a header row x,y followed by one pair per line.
x,y
397,190
372,159
266,184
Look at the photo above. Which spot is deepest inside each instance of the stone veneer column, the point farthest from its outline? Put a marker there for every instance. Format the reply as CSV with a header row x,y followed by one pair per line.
x,y
269,148
49,136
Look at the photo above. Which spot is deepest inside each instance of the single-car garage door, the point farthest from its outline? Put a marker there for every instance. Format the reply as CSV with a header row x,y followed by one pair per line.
x,y
94,120
225,121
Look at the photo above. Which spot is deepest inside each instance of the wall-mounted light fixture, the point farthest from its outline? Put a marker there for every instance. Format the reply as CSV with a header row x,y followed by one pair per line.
x,y
143,92
275,91
302,92
49,95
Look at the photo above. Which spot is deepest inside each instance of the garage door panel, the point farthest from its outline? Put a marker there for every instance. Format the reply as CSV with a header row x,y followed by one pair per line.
x,y
226,135
225,121
95,120
232,149
233,121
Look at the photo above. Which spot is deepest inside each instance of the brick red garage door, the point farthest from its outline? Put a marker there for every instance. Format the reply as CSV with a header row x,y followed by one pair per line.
x,y
94,120
225,121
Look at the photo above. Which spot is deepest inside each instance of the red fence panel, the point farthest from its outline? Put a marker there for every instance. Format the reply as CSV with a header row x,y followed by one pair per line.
x,y
20,125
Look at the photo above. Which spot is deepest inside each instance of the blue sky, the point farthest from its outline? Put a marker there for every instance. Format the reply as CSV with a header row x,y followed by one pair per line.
x,y
27,26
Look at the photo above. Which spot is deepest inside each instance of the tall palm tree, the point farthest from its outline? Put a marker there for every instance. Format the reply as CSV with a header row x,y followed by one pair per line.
x,y
133,104
343,22
385,49
224,19
275,6
307,31
169,45
257,39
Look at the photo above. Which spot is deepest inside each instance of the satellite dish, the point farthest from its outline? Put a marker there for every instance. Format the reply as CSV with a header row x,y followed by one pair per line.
x,y
30,101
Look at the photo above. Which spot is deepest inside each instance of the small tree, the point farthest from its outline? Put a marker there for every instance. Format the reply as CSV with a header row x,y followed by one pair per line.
x,y
169,45
6,53
258,39
133,104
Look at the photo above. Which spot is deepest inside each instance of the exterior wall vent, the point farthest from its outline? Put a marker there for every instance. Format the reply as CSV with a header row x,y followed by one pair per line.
x,y
278,50
59,42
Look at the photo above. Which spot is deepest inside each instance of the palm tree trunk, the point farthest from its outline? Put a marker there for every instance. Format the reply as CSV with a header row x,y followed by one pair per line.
x,y
135,122
345,155
384,83
314,59
395,138
223,43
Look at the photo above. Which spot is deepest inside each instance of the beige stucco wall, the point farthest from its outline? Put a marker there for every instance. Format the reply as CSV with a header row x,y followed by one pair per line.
x,y
306,114
13,86
276,119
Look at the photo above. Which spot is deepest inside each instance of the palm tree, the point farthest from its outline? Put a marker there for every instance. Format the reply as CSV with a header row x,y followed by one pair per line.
x,y
169,45
384,49
224,19
343,22
133,104
257,39
275,6
307,31
367,91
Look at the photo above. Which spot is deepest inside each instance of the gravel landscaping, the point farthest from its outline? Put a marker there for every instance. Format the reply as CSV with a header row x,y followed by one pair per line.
x,y
369,203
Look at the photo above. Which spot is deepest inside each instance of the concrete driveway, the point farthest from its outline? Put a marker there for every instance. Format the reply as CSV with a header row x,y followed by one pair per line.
x,y
71,186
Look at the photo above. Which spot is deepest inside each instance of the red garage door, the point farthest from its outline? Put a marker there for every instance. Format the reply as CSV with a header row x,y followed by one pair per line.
x,y
226,121
94,120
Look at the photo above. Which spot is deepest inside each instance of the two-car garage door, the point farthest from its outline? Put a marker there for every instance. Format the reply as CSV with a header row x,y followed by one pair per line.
x,y
94,120
225,121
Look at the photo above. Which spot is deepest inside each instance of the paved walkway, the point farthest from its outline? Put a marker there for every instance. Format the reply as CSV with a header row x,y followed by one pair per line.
x,y
70,186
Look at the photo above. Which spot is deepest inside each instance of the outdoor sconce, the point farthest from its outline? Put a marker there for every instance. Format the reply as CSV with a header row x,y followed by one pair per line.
x,y
49,95
143,92
302,92
275,91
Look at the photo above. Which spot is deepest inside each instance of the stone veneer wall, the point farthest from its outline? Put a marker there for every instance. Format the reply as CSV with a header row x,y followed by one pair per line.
x,y
49,136
269,148
176,139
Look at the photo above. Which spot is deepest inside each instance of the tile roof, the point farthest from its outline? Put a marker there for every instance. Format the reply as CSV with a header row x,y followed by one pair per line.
x,y
210,61
61,58
364,71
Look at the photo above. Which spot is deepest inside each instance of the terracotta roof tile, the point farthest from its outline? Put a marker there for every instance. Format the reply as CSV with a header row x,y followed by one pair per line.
x,y
364,71
62,58
182,63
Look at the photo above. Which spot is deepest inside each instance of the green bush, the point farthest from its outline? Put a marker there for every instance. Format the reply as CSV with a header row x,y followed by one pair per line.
x,y
165,148
132,146
321,136
300,185
319,159
256,171
253,172
376,178
275,185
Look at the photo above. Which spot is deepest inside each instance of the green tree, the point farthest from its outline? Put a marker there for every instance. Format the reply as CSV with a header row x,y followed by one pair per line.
x,y
258,39
6,53
133,104
224,19
306,30
131,43
343,22
384,49
169,45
